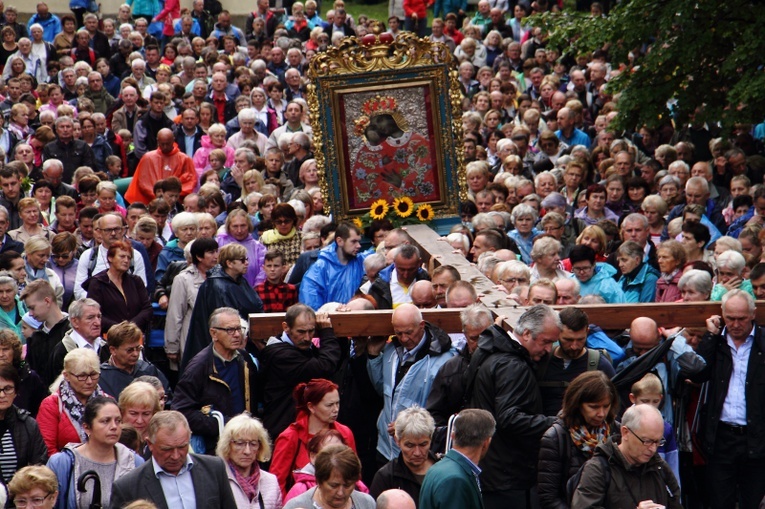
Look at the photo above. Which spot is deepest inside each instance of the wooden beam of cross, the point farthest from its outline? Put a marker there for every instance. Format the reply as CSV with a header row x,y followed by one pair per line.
x,y
437,252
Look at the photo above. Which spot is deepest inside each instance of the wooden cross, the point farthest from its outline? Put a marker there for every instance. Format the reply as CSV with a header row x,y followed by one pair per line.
x,y
436,252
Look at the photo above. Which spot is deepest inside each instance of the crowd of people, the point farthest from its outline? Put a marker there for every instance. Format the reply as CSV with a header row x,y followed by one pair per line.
x,y
158,186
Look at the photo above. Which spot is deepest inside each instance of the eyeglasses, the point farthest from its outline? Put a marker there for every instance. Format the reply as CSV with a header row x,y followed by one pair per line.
x,y
9,390
243,260
243,444
514,280
83,377
582,269
111,231
647,443
34,502
134,349
229,330
61,256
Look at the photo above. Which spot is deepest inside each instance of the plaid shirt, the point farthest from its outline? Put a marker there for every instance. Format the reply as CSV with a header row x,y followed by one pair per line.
x,y
277,298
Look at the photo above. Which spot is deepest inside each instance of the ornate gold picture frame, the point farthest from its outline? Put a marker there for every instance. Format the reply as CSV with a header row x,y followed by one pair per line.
x,y
387,124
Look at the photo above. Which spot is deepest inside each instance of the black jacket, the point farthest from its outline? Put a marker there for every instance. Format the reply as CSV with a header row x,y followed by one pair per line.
x,y
200,387
32,390
40,350
447,395
283,366
72,155
180,139
218,290
9,244
501,380
165,283
396,475
557,467
715,350
114,380
27,439
229,111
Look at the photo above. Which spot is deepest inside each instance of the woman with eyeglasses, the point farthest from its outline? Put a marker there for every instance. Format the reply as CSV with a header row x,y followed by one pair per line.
x,y
588,418
243,445
122,295
101,453
34,486
61,413
23,443
284,236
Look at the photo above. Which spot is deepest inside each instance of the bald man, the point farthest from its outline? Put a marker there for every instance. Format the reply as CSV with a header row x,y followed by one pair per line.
x,y
681,360
417,352
395,499
166,161
422,295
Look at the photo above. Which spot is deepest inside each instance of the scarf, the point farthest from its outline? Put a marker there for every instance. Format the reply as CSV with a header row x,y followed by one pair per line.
x,y
273,236
667,278
34,274
72,405
587,440
250,485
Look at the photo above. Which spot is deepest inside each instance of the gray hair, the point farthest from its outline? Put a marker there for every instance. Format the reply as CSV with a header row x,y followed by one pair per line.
x,y
631,249
315,223
679,164
476,315
545,246
739,293
221,311
374,261
699,182
698,280
166,419
77,309
635,414
247,114
514,267
414,422
535,319
731,260
4,212
636,218
7,279
483,220
407,252
524,210
669,179
184,219
249,154
472,427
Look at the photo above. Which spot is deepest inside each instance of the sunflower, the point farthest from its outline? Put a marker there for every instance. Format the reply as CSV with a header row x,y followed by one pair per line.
x,y
357,221
425,213
379,209
403,206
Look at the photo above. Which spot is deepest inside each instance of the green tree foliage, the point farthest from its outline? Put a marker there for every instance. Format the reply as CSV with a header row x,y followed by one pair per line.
x,y
690,53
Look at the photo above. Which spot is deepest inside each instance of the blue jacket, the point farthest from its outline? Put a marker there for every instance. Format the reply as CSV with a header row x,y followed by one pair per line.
x,y
169,254
598,339
443,7
414,388
524,244
51,26
21,309
145,7
79,4
328,280
101,150
112,85
195,28
62,464
602,283
641,288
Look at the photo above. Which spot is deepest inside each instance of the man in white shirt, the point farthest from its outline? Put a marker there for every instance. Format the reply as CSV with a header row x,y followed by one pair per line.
x,y
112,228
85,318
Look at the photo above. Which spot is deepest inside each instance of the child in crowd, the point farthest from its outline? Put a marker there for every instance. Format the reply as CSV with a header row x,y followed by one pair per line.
x,y
649,390
217,159
114,167
276,295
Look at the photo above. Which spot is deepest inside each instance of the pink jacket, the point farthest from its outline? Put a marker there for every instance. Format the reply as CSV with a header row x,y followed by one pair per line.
x,y
201,156
305,479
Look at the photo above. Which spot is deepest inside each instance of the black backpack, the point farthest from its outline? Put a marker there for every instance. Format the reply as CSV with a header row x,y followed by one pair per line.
x,y
573,481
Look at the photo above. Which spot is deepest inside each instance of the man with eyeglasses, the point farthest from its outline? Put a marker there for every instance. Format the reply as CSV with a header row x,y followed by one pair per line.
x,y
125,363
174,477
85,319
111,228
221,377
732,421
630,462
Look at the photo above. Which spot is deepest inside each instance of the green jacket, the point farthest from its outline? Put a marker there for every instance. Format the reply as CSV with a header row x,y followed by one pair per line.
x,y
450,483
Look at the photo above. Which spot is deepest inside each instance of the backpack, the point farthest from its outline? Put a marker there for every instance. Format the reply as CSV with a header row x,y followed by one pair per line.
x,y
593,360
573,482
